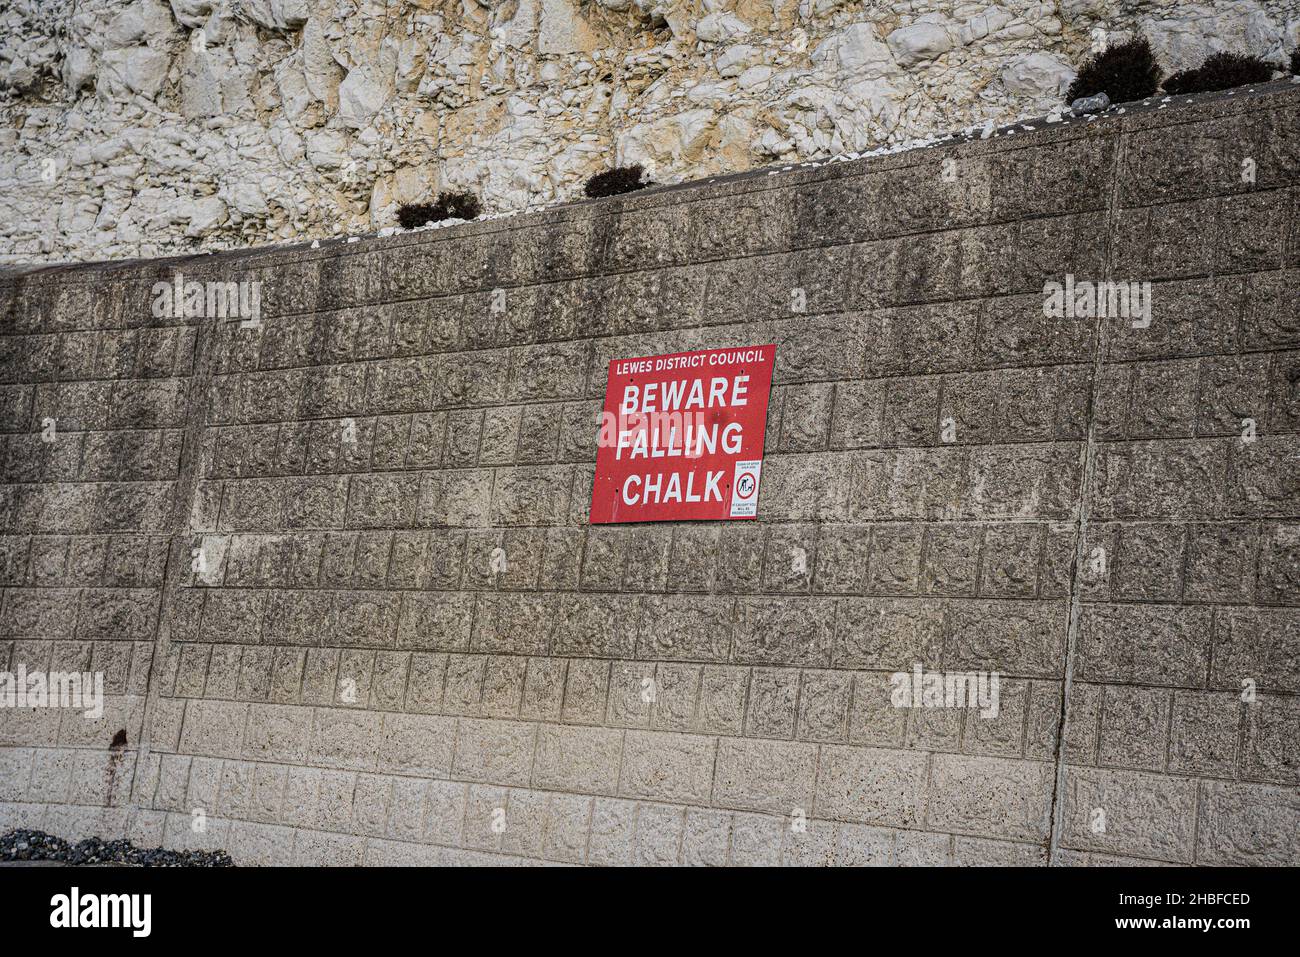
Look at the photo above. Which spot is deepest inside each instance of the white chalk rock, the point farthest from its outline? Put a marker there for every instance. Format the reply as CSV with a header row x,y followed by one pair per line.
x,y
563,29
248,199
734,59
856,51
1040,75
78,69
668,140
754,77
192,14
276,14
205,214
361,96
719,27
127,28
919,43
143,70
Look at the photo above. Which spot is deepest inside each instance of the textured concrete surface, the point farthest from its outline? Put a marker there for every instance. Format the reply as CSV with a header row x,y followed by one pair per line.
x,y
337,572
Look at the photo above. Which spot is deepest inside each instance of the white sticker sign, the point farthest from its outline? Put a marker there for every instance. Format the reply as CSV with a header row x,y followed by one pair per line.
x,y
744,485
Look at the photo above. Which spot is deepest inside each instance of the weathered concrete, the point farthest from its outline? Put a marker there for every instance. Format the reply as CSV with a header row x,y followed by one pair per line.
x,y
372,641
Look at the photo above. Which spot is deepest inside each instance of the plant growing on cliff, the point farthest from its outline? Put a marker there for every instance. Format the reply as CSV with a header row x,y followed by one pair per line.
x,y
620,179
1221,71
1125,72
446,206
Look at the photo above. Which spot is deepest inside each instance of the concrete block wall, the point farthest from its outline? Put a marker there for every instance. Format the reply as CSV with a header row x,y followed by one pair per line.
x,y
338,574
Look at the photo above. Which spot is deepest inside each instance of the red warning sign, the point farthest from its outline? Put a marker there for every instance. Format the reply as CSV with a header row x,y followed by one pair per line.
x,y
681,436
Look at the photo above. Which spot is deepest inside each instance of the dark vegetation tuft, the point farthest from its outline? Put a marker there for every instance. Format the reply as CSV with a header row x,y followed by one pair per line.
x,y
1125,73
620,179
446,206
1221,71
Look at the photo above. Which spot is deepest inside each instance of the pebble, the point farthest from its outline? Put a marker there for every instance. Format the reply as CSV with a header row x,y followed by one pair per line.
x,y
26,845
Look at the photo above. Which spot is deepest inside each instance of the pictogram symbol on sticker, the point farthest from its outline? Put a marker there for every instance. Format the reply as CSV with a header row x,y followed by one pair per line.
x,y
744,489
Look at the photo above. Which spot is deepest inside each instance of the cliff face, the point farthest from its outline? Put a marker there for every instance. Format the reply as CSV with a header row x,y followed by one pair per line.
x,y
147,127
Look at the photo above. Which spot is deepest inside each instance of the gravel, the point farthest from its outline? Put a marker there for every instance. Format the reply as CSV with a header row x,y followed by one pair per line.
x,y
24,845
